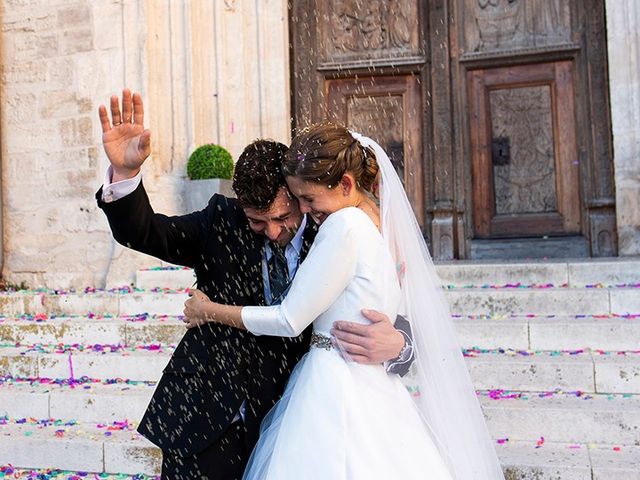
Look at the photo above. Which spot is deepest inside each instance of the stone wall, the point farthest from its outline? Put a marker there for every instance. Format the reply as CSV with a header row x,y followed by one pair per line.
x,y
623,43
209,71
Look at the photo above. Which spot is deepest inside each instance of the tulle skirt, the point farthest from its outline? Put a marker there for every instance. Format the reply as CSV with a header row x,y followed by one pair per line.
x,y
342,420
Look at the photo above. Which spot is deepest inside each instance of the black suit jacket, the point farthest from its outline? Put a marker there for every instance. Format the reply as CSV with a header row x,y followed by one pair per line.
x,y
214,368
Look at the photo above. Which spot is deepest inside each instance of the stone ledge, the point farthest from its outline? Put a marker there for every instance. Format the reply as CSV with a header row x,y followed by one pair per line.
x,y
82,447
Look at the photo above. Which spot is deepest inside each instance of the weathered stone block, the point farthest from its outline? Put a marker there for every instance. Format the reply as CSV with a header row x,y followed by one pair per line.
x,y
175,279
625,300
23,401
66,331
623,463
62,103
80,303
74,16
153,303
617,374
565,418
24,72
74,41
535,373
505,333
577,333
462,273
528,301
101,403
168,332
132,457
522,461
17,363
28,446
76,132
146,366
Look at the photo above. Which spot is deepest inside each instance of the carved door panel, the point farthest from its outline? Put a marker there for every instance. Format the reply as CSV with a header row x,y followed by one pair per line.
x,y
361,64
533,110
495,111
524,154
387,109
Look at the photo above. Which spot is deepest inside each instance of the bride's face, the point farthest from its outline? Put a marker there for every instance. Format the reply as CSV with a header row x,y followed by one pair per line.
x,y
320,201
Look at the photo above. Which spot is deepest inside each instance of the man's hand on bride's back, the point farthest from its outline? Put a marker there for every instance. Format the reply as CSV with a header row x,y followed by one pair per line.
x,y
126,142
376,343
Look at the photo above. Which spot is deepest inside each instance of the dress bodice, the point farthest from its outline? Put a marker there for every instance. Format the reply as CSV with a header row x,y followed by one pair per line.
x,y
348,268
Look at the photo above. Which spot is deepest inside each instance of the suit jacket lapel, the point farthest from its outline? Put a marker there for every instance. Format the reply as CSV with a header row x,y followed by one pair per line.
x,y
255,252
309,234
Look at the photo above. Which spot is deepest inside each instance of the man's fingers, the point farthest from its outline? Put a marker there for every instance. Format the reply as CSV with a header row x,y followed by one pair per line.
x,y
360,359
127,106
347,337
138,109
350,327
350,348
374,316
115,111
104,119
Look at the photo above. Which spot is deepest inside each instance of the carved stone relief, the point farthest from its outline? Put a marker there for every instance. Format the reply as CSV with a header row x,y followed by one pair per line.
x,y
525,181
381,118
371,29
509,24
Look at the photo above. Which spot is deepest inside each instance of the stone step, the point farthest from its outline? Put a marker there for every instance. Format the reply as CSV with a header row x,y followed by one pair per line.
x,y
78,446
128,363
57,474
599,372
114,303
463,301
556,332
556,416
563,417
543,301
603,372
560,461
87,448
576,273
168,277
90,401
126,330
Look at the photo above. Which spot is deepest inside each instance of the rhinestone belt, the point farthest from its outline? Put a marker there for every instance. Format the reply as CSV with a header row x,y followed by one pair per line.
x,y
321,341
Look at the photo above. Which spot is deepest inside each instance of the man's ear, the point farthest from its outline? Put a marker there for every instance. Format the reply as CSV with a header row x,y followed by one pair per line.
x,y
347,184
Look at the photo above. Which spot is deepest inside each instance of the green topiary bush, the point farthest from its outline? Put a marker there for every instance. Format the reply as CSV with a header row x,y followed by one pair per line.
x,y
210,161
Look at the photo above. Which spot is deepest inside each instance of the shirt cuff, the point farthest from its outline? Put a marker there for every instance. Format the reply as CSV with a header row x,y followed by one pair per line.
x,y
405,355
115,191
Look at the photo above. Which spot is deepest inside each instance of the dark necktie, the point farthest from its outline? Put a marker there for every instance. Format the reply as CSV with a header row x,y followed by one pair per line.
x,y
278,273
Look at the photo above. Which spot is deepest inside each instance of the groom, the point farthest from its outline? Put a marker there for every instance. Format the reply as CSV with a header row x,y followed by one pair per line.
x,y
220,382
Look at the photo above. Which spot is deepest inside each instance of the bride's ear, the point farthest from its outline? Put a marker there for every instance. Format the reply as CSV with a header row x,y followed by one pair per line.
x,y
347,184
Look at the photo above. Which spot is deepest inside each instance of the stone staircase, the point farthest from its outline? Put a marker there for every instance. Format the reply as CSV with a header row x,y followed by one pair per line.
x,y
553,348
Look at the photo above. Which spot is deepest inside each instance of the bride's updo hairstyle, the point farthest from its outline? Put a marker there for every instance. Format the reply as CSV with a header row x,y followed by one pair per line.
x,y
323,153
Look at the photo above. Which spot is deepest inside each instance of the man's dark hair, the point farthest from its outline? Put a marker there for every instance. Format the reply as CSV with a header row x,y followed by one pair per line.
x,y
258,174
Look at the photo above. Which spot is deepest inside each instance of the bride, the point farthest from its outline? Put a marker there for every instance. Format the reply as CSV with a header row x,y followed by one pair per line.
x,y
338,419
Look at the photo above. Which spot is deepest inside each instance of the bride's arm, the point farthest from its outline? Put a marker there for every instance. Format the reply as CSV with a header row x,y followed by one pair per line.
x,y
320,279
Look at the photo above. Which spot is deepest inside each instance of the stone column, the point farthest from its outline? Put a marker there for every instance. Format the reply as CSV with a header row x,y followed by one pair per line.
x,y
623,44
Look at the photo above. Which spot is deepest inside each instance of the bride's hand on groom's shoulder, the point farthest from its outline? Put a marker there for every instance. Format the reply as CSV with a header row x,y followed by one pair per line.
x,y
195,309
376,343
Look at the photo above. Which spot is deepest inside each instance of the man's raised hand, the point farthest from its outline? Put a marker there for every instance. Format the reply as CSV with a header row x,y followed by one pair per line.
x,y
126,142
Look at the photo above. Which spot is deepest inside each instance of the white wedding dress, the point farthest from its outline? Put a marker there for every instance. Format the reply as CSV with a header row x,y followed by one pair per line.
x,y
338,419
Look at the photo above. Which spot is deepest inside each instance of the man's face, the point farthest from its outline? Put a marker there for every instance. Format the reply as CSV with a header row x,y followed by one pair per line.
x,y
280,222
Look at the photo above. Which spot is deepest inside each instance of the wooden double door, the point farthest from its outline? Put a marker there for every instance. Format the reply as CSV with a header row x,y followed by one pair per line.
x,y
494,112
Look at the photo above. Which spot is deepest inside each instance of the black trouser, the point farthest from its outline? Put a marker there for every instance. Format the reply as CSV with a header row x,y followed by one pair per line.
x,y
225,459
